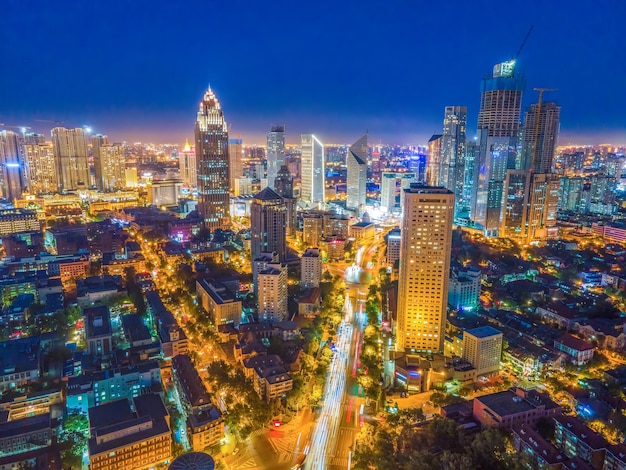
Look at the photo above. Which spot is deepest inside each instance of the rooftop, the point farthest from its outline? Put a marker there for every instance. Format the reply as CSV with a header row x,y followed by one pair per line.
x,y
483,332
193,461
97,321
268,194
582,432
25,425
574,343
540,446
514,401
191,383
19,355
109,413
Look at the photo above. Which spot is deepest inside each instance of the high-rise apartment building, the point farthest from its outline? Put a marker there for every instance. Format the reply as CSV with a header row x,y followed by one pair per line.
x,y
312,180
482,348
42,171
283,183
393,184
451,171
356,162
268,222
498,135
187,166
212,156
235,160
109,163
470,176
272,293
433,165
13,173
71,157
424,268
540,137
275,153
515,208
311,268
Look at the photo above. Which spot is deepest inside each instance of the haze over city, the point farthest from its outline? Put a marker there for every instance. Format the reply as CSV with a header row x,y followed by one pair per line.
x,y
137,70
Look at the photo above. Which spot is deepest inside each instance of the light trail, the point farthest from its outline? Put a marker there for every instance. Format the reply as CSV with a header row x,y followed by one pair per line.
x,y
326,429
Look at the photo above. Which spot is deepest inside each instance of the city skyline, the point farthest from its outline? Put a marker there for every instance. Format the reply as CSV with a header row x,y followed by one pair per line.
x,y
403,108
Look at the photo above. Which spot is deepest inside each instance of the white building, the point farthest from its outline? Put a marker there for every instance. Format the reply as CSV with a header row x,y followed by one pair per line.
x,y
392,184
187,165
464,289
273,296
275,153
311,268
482,347
312,171
356,162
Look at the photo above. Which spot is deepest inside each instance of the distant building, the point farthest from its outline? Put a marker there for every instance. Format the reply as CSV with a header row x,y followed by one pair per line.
x,y
356,162
71,158
121,438
275,153
482,347
164,192
464,289
268,224
391,187
311,268
312,181
187,165
362,230
433,167
109,164
451,171
41,168
235,160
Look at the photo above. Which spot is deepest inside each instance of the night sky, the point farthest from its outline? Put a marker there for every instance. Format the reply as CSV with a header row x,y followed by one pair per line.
x,y
136,69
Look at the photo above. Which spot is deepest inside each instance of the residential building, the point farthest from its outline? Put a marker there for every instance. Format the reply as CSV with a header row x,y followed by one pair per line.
x,y
560,315
275,153
356,162
579,351
268,223
424,268
540,137
27,434
172,337
577,440
312,180
311,268
71,157
482,348
498,135
42,172
615,457
272,293
312,228
121,438
109,164
219,302
515,208
188,166
539,453
22,406
513,407
269,376
212,158
13,171
464,289
451,171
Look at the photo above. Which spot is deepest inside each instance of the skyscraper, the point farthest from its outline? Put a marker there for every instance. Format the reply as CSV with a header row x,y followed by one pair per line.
x,y
424,268
453,152
433,165
41,168
284,182
12,161
312,184
268,222
212,157
515,209
70,155
109,164
392,184
275,152
470,176
187,166
498,130
356,161
540,136
235,158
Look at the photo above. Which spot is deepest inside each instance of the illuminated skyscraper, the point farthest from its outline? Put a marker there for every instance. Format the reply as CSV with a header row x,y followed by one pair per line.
x,y
235,159
268,223
187,165
356,161
41,168
542,134
433,165
498,131
312,184
515,209
275,153
453,152
12,161
109,162
424,268
70,155
470,176
212,157
392,184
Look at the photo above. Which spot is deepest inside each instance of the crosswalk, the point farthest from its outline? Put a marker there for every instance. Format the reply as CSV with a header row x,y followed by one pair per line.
x,y
338,461
250,463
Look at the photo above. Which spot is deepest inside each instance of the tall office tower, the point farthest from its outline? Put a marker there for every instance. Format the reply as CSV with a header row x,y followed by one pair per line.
x,y
540,137
12,161
498,135
235,159
109,161
356,161
275,153
470,176
424,268
187,166
268,222
543,206
391,185
41,168
433,165
272,293
515,209
312,181
70,155
451,172
284,182
212,156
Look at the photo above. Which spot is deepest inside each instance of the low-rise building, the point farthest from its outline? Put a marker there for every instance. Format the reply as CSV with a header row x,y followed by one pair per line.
x,y
269,376
577,440
539,452
19,362
513,407
27,434
121,438
309,304
578,351
560,315
219,302
615,457
98,332
33,404
172,337
362,230
608,333
464,289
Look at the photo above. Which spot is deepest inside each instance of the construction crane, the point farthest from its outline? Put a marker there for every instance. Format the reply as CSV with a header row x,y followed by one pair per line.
x,y
537,119
519,51
56,123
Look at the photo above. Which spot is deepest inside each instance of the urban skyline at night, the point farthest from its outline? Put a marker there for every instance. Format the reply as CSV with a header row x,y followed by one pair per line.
x,y
147,91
